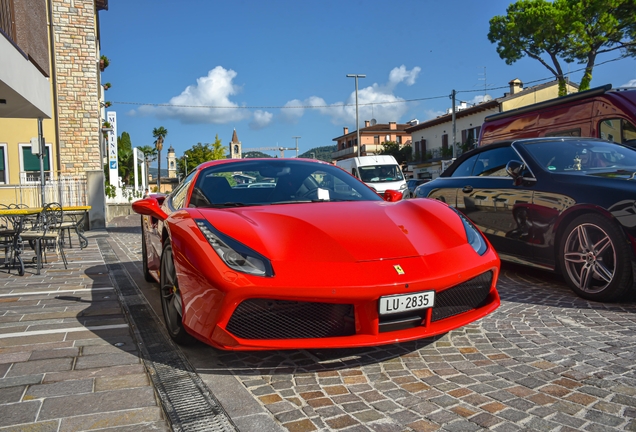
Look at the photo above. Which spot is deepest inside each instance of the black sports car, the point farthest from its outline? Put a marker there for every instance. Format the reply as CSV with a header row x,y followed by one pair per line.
x,y
564,204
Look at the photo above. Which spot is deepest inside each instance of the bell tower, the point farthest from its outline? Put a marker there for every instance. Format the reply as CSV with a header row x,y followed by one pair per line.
x,y
172,163
235,147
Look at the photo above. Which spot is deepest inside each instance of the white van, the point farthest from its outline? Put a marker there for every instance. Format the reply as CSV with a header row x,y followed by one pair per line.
x,y
380,172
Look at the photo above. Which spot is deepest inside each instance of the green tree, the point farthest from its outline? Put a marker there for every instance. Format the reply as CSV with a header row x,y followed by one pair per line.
x,y
321,153
159,134
218,150
401,154
125,156
564,30
200,153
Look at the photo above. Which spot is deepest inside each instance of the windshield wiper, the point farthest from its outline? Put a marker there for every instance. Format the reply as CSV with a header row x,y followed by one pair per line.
x,y
228,204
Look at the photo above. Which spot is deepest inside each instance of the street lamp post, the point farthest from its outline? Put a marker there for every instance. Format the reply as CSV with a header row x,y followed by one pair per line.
x,y
185,163
356,76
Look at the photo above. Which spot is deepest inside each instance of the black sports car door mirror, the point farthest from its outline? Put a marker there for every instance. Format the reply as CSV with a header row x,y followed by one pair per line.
x,y
515,170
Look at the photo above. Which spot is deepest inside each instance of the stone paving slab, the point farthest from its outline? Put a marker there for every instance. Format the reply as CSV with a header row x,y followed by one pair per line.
x,y
68,361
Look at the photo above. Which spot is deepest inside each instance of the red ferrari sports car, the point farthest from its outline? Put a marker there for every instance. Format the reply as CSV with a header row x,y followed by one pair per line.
x,y
316,260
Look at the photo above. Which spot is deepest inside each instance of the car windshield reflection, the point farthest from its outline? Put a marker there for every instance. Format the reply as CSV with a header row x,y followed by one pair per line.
x,y
260,182
582,156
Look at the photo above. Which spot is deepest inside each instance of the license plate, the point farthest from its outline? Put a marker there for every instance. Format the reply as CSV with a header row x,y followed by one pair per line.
x,y
406,302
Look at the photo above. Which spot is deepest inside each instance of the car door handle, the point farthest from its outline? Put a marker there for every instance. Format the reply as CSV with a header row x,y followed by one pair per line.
x,y
467,189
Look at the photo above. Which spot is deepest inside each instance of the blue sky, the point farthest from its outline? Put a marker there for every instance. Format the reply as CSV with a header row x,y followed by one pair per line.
x,y
262,56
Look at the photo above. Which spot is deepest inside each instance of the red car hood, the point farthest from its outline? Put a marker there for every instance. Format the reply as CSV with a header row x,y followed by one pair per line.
x,y
341,231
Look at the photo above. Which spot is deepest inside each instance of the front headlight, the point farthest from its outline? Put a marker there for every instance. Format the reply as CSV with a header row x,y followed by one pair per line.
x,y
402,187
236,255
474,237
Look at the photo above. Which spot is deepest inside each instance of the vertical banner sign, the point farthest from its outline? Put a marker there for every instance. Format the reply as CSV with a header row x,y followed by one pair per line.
x,y
138,159
113,169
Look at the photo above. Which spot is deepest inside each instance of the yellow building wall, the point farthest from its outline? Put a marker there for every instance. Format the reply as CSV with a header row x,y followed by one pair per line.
x,y
528,97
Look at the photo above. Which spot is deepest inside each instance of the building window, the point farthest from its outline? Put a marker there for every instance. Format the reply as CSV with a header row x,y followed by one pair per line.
x,y
376,139
398,139
30,164
4,174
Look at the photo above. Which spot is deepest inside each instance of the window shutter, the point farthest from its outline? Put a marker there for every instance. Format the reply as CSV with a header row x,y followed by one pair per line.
x,y
32,162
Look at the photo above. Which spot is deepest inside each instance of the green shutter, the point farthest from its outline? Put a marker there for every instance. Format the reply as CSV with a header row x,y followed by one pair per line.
x,y
32,162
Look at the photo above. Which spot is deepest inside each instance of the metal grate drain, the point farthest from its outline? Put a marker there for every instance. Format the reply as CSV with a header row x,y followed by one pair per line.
x,y
186,400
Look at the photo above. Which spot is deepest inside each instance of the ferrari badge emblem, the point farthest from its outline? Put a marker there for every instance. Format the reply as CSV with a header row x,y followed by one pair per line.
x,y
398,269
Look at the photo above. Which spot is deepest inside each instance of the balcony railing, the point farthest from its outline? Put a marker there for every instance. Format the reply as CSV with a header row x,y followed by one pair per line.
x,y
66,190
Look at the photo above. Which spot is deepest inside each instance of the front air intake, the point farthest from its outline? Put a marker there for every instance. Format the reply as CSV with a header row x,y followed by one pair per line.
x,y
279,319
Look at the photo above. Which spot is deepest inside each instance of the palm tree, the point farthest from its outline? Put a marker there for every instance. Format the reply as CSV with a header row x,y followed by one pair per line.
x,y
159,134
150,154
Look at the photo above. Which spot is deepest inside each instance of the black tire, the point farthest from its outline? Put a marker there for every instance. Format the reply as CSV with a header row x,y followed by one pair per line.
x,y
595,259
144,255
171,299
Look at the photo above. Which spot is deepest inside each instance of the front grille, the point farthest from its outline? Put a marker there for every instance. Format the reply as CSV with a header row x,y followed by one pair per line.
x,y
463,297
279,319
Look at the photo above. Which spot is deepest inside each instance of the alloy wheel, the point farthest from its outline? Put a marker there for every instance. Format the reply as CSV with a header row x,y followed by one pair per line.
x,y
590,258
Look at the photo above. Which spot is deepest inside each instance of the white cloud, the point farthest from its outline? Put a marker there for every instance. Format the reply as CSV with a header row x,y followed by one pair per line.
x,y
630,83
261,119
399,74
292,115
376,101
431,114
213,90
479,99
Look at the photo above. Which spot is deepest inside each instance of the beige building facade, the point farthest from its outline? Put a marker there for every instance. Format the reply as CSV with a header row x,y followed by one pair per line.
x,y
432,139
372,139
50,88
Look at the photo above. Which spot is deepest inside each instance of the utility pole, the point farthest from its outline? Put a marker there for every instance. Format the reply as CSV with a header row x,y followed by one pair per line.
x,y
42,149
296,145
356,76
453,120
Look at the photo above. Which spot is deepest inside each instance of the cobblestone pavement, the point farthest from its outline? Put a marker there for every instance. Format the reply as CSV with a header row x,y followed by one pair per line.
x,y
546,360
68,361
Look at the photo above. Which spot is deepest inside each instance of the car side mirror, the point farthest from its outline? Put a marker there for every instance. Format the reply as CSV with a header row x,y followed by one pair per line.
x,y
150,206
392,195
515,170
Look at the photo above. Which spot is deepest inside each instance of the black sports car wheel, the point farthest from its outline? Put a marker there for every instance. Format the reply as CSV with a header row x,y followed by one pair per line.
x,y
171,298
595,259
144,255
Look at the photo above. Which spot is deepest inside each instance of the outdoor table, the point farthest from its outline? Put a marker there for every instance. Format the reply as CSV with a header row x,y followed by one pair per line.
x,y
23,213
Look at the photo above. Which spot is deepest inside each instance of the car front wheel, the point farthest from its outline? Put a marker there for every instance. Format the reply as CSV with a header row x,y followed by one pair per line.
x,y
171,303
595,259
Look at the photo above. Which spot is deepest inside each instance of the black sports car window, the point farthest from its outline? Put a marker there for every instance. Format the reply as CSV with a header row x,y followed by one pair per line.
x,y
492,163
466,167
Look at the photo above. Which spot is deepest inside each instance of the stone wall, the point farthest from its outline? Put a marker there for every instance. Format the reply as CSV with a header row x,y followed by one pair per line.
x,y
76,62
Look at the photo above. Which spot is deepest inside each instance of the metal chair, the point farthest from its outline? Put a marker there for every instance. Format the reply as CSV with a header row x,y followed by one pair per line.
x,y
74,221
46,231
10,241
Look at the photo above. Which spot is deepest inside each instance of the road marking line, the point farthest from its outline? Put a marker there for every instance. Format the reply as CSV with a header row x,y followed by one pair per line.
x,y
66,330
19,294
